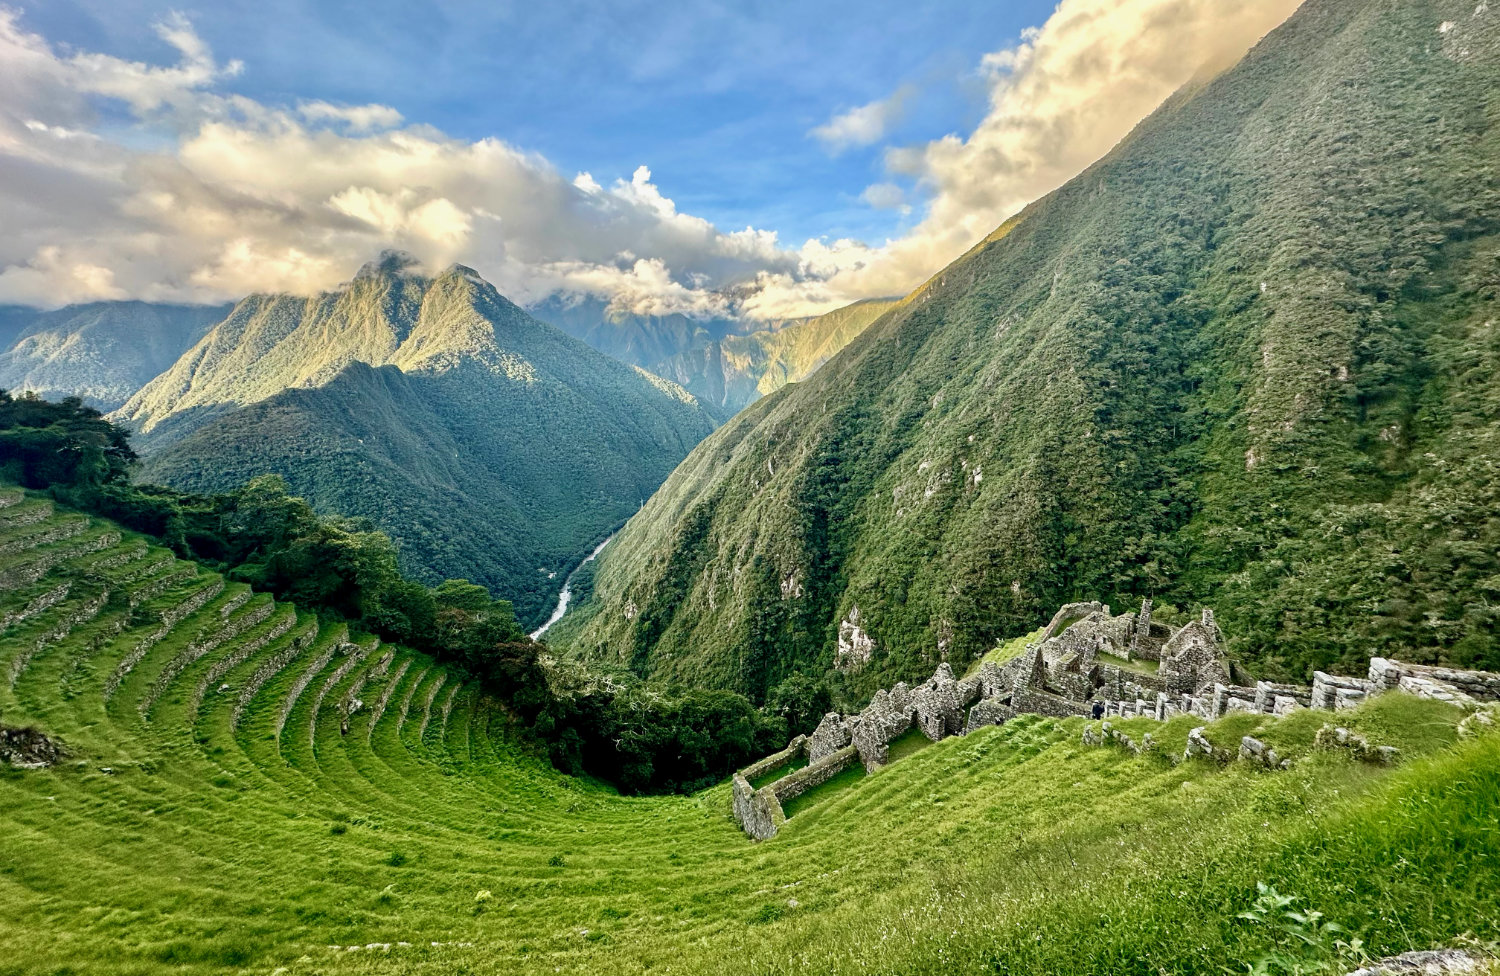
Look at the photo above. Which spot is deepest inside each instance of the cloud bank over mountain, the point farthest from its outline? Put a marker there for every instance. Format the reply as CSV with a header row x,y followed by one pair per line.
x,y
126,179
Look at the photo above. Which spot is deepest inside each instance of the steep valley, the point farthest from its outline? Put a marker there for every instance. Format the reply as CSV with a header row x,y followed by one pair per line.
x,y
489,445
1246,360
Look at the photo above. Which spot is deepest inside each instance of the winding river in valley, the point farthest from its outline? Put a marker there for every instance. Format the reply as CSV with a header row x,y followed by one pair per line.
x,y
567,591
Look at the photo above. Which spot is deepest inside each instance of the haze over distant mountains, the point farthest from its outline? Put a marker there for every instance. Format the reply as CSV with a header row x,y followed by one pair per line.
x,y
727,364
102,352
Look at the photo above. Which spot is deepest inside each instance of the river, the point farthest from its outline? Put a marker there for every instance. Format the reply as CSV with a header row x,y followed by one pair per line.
x,y
567,592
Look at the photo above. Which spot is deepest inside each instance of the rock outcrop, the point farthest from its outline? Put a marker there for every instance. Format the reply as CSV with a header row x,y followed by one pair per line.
x,y
28,748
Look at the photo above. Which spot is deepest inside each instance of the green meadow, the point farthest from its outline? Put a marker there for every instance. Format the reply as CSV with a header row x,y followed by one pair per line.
x,y
214,815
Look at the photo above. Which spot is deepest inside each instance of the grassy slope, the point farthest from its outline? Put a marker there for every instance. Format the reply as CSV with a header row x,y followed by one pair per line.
x,y
1248,360
212,849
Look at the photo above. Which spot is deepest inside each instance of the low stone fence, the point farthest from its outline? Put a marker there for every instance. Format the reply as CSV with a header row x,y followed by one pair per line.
x,y
759,810
1449,684
778,760
1333,692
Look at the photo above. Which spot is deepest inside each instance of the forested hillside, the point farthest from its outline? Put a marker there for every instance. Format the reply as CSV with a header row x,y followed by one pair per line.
x,y
1250,359
721,362
489,445
103,352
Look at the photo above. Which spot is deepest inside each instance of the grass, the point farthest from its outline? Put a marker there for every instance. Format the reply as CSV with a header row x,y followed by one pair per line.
x,y
841,782
906,744
1139,667
765,779
178,843
1006,650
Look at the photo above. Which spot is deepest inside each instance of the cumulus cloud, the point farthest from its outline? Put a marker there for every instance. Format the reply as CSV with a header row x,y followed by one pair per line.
x,y
864,125
361,118
236,196
886,196
213,195
1058,100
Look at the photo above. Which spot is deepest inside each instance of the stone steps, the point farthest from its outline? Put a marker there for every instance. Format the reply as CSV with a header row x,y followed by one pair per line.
x,y
385,698
106,564
432,693
27,535
354,659
66,617
281,626
45,557
289,701
24,511
40,598
406,700
447,709
273,666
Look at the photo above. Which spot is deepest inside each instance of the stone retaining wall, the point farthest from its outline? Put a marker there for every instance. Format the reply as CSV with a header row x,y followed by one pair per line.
x,y
1386,674
804,779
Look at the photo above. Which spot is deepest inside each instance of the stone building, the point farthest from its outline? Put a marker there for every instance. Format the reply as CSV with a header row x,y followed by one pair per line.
x,y
1130,663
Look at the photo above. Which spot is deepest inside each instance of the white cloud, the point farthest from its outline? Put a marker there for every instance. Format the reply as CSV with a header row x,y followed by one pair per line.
x,y
361,118
864,125
230,195
1057,102
241,196
886,196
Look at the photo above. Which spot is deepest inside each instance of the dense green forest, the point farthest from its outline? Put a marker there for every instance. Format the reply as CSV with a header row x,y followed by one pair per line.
x,y
1247,360
486,444
642,738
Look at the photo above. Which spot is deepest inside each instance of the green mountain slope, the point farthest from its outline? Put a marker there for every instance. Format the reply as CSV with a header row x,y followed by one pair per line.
x,y
102,352
722,365
248,789
766,360
1247,360
489,445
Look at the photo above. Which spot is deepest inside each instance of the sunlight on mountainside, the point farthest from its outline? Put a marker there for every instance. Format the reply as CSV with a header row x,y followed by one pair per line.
x,y
951,488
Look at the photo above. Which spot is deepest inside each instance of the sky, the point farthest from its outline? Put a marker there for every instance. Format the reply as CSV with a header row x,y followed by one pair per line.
x,y
745,158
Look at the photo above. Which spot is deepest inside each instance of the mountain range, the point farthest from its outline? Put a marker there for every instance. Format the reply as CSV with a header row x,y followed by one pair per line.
x,y
1250,360
490,446
726,363
102,352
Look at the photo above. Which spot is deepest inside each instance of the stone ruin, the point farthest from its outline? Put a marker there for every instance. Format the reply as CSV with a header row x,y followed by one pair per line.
x,y
28,748
1088,663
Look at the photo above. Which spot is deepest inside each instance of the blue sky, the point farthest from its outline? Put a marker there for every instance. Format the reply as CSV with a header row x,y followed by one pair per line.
x,y
757,160
716,98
